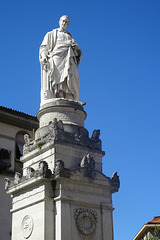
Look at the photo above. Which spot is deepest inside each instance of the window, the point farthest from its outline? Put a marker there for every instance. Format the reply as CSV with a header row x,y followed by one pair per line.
x,y
5,159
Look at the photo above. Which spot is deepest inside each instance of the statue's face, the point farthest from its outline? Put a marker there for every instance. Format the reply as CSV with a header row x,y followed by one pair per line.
x,y
63,23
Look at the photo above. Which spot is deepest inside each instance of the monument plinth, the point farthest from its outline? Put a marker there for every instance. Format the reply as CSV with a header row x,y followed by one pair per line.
x,y
70,112
62,193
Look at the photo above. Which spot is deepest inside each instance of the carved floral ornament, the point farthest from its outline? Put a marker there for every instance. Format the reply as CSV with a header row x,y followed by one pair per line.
x,y
86,221
27,226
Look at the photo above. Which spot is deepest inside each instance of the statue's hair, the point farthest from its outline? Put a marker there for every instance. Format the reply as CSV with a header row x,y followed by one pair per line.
x,y
64,16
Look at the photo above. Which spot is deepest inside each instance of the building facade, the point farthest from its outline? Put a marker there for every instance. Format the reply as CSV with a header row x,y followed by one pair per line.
x,y
13,126
150,230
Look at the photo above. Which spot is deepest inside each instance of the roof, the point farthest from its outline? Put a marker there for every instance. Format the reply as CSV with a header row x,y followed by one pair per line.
x,y
17,118
154,220
9,110
151,224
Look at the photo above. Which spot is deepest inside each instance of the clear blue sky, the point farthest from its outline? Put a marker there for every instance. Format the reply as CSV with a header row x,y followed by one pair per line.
x,y
119,80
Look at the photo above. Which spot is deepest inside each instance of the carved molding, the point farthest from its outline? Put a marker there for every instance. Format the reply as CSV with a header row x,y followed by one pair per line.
x,y
42,170
86,221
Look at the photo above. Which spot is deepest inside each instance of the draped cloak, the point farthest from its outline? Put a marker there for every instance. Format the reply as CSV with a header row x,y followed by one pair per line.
x,y
63,68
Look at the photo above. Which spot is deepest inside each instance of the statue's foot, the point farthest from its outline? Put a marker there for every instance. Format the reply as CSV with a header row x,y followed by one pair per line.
x,y
69,96
60,94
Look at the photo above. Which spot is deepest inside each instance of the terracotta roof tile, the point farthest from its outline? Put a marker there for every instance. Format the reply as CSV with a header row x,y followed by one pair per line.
x,y
9,110
154,220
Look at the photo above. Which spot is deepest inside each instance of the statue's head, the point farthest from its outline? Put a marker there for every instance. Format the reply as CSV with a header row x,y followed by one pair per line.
x,y
64,22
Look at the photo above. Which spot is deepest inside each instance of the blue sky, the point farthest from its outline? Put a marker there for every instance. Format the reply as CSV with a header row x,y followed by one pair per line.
x,y
119,81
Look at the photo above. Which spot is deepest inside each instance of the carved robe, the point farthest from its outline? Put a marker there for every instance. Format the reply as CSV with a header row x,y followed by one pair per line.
x,y
62,62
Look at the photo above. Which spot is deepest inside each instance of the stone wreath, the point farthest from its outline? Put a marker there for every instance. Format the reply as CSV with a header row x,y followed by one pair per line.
x,y
86,220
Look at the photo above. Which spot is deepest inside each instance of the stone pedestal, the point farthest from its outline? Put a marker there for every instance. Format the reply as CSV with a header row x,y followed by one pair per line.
x,y
62,194
68,111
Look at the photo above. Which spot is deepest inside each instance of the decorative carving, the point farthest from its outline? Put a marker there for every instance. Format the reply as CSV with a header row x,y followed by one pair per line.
x,y
96,142
115,183
30,172
56,132
87,164
44,170
7,183
27,139
29,144
17,178
96,134
53,129
60,170
27,226
59,166
86,220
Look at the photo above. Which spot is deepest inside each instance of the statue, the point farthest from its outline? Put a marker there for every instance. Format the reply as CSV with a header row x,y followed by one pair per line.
x,y
59,58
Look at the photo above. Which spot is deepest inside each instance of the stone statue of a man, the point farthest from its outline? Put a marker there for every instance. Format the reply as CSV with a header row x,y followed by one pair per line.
x,y
59,58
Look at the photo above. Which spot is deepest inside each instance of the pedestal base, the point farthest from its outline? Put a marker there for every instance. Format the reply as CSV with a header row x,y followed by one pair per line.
x,y
68,111
67,205
62,193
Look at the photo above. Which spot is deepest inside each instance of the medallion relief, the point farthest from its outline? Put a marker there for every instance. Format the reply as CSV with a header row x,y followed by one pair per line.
x,y
27,226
